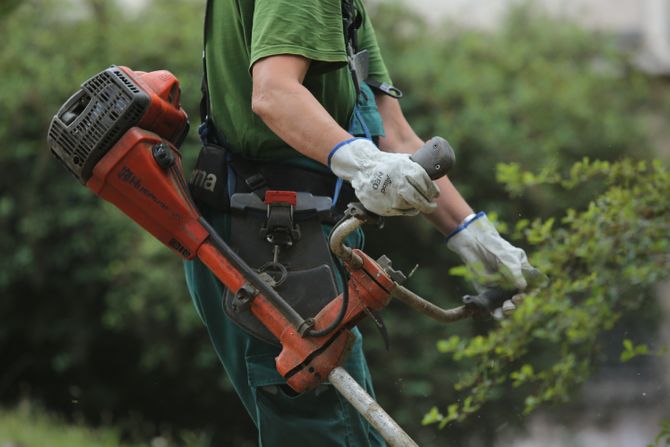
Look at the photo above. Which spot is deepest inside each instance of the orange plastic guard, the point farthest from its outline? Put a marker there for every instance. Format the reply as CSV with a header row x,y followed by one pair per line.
x,y
154,197
165,116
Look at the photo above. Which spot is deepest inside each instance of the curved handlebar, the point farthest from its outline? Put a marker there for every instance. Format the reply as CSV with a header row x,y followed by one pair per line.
x,y
431,310
337,237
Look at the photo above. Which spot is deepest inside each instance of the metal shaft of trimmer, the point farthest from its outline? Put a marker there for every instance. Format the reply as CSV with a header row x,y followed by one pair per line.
x,y
370,409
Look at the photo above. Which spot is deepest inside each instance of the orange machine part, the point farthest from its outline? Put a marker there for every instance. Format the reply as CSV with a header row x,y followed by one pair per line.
x,y
307,361
165,116
156,198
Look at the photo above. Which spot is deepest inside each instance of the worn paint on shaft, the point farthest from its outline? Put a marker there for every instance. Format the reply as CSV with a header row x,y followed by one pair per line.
x,y
370,409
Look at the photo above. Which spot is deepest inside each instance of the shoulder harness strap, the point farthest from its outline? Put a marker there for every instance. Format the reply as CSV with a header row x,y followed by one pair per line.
x,y
358,60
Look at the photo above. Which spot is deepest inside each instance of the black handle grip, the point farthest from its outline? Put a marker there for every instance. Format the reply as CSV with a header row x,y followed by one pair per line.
x,y
436,156
490,299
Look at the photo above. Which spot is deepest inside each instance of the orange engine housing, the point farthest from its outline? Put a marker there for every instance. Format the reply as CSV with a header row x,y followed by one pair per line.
x,y
106,106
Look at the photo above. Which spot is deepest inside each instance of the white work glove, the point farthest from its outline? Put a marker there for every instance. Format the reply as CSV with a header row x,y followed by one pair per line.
x,y
387,184
499,268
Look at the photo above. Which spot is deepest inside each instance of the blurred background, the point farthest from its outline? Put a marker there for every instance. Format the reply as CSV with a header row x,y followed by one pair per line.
x,y
99,343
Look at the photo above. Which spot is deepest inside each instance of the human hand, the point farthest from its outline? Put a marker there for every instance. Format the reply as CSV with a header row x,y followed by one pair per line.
x,y
388,184
501,271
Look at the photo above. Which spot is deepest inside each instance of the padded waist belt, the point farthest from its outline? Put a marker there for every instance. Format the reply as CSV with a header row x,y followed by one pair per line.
x,y
211,185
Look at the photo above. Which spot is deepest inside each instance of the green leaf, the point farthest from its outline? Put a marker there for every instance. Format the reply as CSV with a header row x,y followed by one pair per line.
x,y
631,351
432,417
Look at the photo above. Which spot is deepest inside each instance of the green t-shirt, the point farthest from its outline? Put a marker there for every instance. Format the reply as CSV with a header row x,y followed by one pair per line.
x,y
240,32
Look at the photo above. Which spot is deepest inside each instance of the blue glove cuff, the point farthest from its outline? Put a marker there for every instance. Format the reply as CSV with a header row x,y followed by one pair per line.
x,y
466,222
339,145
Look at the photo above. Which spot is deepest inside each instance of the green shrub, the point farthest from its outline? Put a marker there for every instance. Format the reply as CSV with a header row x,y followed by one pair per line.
x,y
602,261
89,301
538,94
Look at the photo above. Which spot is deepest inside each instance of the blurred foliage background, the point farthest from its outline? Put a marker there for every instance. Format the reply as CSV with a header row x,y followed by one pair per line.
x,y
97,331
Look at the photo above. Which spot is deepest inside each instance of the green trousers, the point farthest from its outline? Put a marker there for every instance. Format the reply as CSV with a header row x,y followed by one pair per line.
x,y
319,418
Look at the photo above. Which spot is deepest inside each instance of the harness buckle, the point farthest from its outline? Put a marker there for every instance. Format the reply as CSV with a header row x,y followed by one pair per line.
x,y
256,182
279,228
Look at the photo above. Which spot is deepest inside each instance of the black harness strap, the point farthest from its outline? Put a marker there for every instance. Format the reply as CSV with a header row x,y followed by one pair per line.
x,y
258,177
205,111
358,61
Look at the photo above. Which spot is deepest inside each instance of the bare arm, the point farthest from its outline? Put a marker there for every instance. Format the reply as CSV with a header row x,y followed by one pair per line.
x,y
279,97
400,137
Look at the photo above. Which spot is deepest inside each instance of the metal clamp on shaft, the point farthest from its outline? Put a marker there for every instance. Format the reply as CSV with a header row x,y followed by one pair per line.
x,y
243,298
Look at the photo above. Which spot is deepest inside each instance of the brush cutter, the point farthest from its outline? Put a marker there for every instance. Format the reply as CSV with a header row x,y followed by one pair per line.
x,y
118,135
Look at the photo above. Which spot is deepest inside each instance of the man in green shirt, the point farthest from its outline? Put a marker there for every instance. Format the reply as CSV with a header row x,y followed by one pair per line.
x,y
280,91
